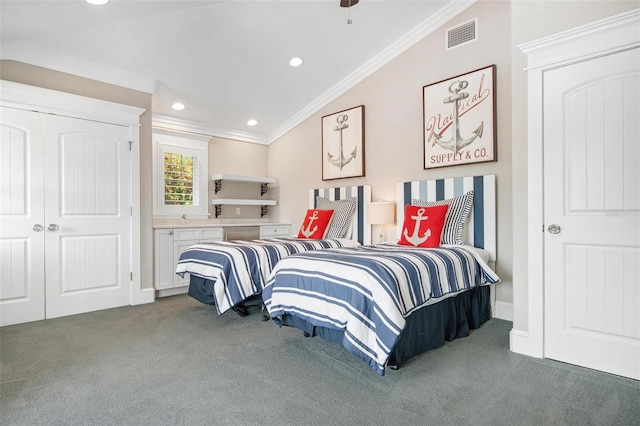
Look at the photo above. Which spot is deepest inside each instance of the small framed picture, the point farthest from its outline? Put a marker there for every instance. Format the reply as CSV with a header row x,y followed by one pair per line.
x,y
343,144
460,119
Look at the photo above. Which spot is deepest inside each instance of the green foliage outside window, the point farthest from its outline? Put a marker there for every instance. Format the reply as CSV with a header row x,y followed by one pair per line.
x,y
178,179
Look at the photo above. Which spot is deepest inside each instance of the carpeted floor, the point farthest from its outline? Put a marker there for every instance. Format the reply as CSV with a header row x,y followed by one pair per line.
x,y
175,362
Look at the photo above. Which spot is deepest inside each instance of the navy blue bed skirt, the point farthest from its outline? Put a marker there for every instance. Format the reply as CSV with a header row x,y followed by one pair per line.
x,y
427,328
201,289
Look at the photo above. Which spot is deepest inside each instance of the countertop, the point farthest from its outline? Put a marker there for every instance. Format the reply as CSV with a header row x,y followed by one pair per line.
x,y
165,224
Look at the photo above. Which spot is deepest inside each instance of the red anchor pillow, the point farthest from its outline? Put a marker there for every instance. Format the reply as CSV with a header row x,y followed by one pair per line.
x,y
315,224
422,226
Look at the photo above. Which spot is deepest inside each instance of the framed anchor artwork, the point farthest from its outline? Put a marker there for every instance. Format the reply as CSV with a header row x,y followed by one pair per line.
x,y
460,119
343,144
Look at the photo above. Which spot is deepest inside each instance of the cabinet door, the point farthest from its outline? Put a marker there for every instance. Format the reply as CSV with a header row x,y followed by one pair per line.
x,y
21,217
164,261
178,247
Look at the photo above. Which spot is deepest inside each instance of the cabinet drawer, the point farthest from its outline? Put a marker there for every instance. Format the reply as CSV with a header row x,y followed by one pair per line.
x,y
197,234
211,234
267,231
186,234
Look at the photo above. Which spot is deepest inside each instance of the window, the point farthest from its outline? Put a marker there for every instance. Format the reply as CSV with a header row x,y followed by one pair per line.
x,y
180,175
180,189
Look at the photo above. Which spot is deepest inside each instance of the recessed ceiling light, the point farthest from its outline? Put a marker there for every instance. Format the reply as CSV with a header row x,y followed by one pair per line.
x,y
252,122
178,106
98,2
295,62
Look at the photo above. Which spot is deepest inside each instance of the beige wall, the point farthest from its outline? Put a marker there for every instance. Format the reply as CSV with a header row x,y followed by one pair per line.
x,y
392,97
531,20
393,126
238,158
393,122
54,80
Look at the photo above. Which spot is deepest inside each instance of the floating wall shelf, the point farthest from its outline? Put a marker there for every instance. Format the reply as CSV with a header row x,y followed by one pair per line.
x,y
264,188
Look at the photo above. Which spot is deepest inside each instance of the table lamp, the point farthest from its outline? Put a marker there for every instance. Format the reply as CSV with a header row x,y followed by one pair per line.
x,y
380,214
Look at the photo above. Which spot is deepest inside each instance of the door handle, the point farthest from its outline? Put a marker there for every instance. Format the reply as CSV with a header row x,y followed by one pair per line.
x,y
38,228
53,227
554,229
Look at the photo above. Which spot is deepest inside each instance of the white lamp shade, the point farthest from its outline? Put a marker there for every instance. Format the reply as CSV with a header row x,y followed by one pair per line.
x,y
381,213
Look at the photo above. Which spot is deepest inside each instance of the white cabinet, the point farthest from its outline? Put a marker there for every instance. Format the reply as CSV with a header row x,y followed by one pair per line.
x,y
169,244
271,231
264,188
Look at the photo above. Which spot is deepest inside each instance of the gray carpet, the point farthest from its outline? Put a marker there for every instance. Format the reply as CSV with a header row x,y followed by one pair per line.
x,y
175,362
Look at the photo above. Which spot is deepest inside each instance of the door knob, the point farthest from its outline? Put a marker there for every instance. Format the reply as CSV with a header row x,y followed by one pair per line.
x,y
37,227
554,229
53,227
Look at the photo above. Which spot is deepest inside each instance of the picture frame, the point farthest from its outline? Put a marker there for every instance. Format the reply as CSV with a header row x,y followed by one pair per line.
x,y
343,144
459,119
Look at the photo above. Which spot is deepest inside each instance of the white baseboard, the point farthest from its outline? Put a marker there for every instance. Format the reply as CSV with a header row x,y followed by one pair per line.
x,y
503,311
173,291
144,295
519,342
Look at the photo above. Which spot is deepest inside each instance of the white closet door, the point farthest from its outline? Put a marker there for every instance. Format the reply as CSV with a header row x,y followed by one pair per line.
x,y
87,216
21,217
591,192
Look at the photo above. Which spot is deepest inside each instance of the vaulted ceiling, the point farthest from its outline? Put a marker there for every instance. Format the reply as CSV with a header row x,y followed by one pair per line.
x,y
227,61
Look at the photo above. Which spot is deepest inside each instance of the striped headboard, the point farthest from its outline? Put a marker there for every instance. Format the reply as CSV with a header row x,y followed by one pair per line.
x,y
480,230
361,230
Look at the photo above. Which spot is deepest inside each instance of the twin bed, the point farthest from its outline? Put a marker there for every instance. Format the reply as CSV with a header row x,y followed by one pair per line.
x,y
387,303
232,274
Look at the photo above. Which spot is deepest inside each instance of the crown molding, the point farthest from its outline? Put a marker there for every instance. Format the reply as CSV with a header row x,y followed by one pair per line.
x,y
199,128
75,66
32,98
429,25
604,36
119,77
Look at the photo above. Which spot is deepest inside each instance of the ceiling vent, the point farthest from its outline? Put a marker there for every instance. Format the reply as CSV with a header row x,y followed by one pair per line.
x,y
462,34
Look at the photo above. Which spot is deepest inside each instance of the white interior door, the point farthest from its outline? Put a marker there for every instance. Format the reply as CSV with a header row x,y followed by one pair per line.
x,y
592,194
87,216
21,217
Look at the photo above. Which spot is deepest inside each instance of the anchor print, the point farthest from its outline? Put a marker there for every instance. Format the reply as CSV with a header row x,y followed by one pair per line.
x,y
341,161
308,232
415,239
457,142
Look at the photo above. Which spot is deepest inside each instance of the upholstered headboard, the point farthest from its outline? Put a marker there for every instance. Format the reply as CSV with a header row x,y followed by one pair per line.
x,y
480,230
361,230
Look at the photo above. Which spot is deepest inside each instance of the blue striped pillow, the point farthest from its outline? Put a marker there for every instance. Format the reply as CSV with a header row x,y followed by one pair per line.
x,y
343,211
457,215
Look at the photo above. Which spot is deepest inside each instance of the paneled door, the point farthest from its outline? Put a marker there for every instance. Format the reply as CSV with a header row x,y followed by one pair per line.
x,y
87,216
21,216
66,216
591,210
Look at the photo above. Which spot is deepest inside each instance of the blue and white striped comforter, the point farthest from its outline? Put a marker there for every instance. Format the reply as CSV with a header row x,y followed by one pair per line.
x,y
369,290
239,269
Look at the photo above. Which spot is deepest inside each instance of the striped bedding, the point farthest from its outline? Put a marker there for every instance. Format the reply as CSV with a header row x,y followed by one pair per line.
x,y
239,269
368,291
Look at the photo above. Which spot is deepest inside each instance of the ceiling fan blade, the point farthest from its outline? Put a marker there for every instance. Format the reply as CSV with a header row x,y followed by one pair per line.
x,y
348,3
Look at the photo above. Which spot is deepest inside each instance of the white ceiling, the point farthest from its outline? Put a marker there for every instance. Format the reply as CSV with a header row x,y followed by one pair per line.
x,y
226,60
